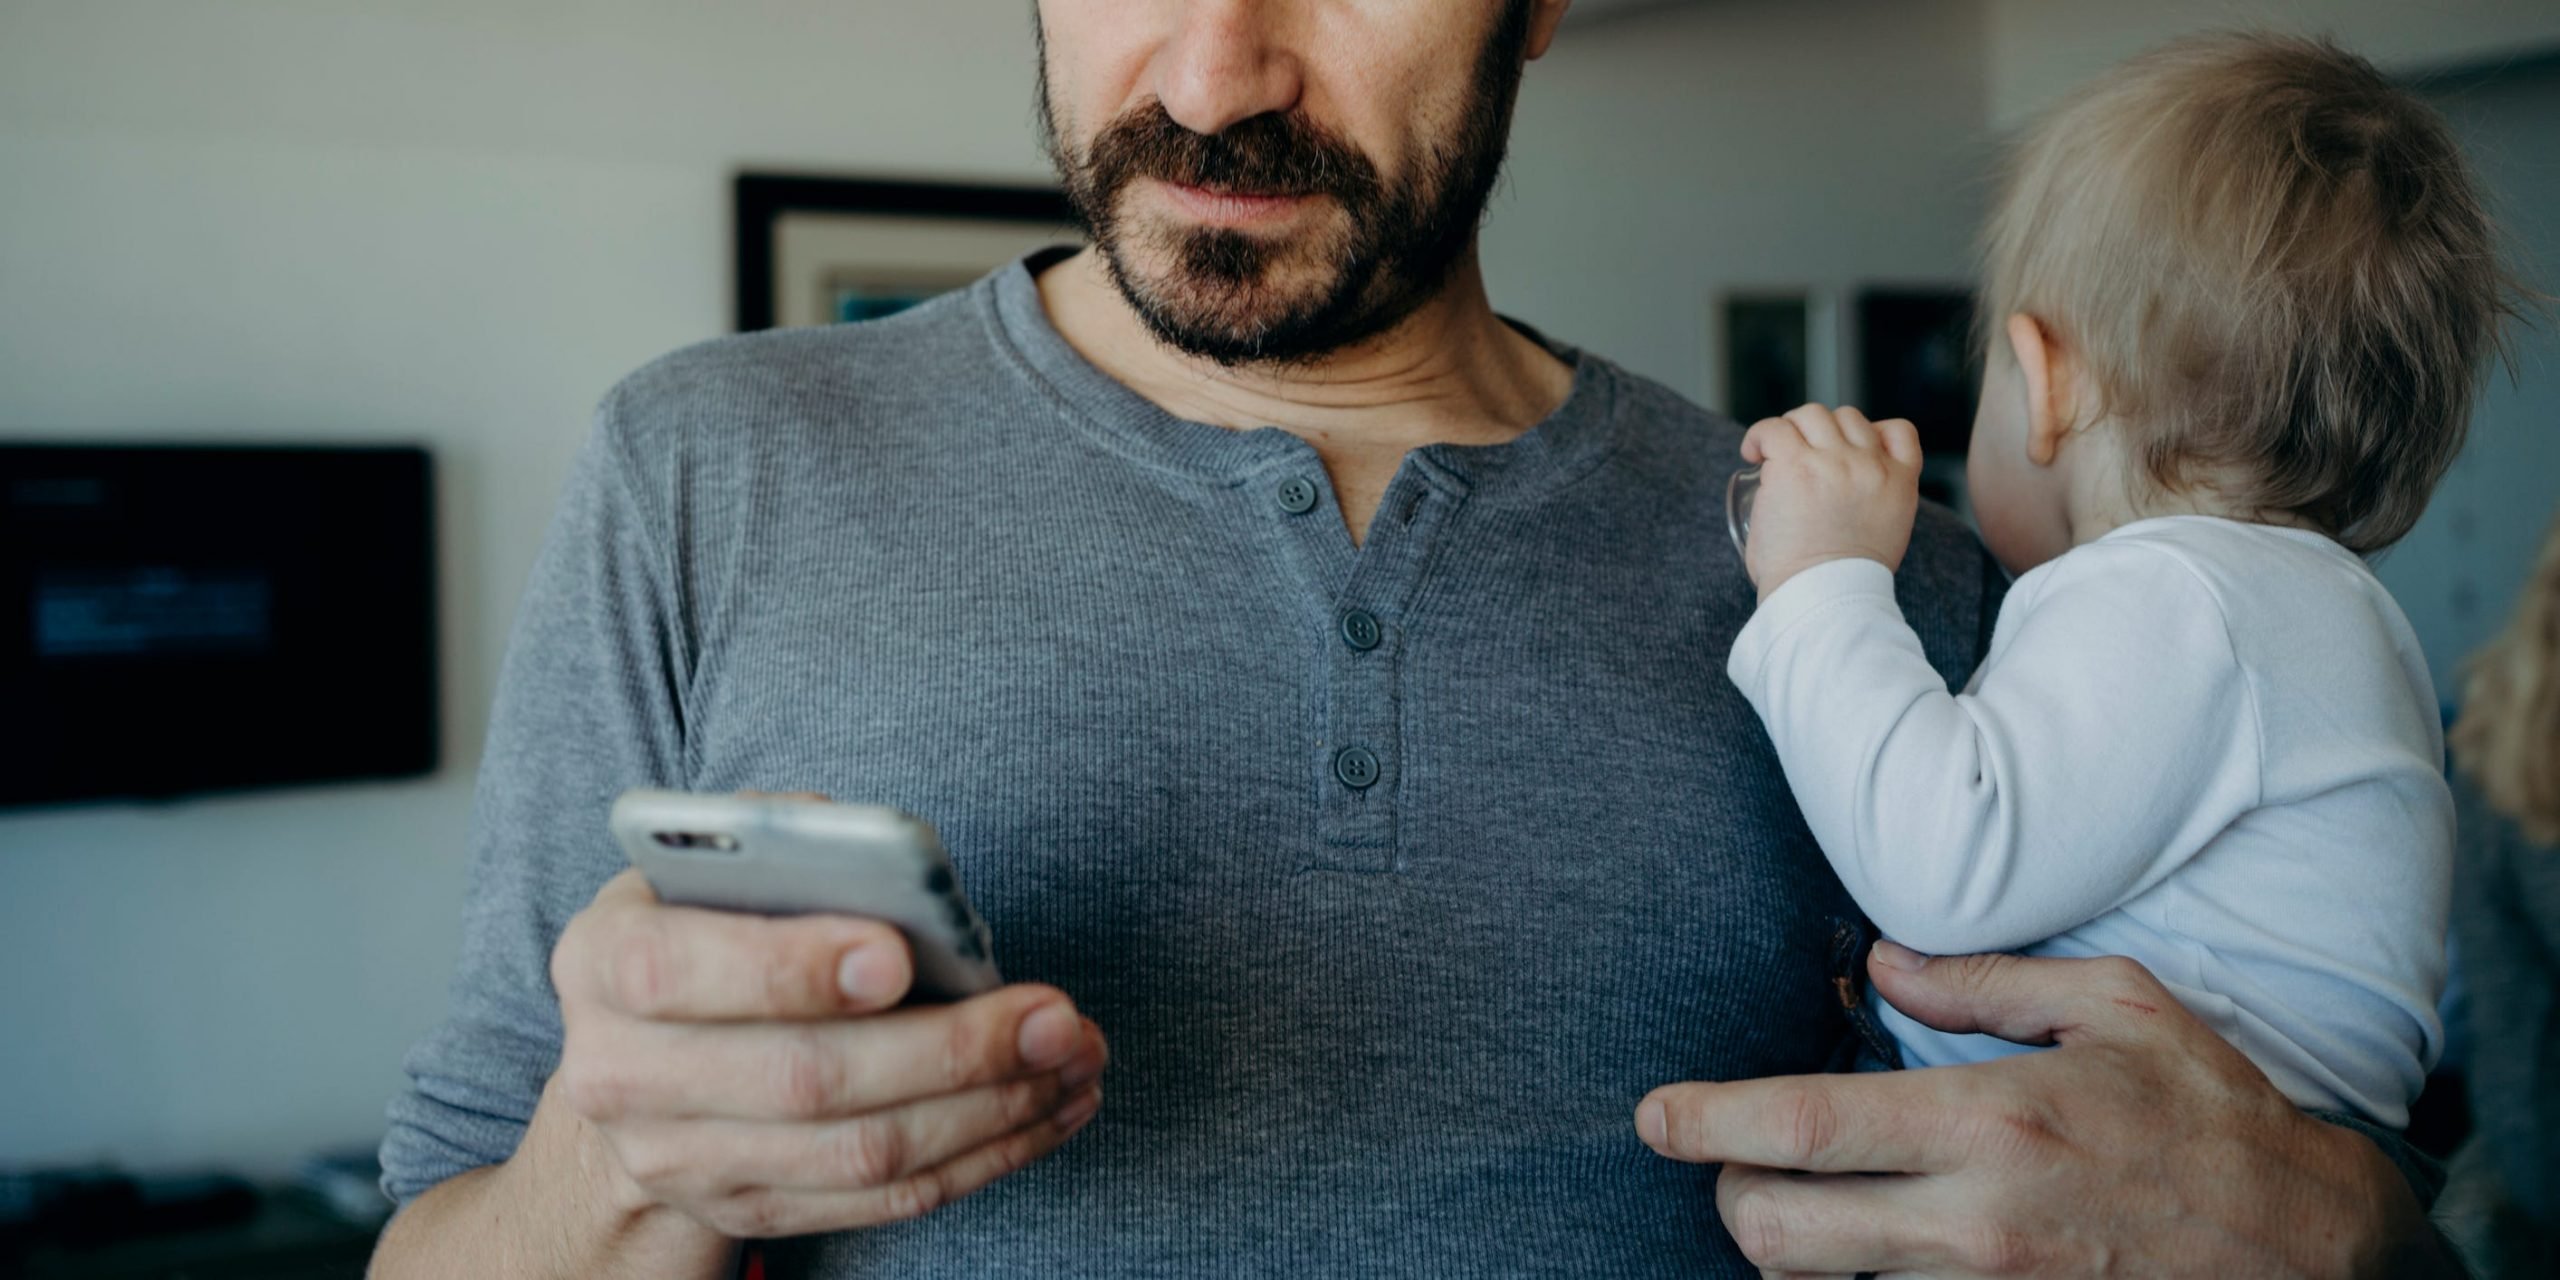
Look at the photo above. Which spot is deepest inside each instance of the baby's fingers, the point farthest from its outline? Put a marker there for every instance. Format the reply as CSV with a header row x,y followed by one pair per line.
x,y
1770,438
1901,439
1855,428
1817,425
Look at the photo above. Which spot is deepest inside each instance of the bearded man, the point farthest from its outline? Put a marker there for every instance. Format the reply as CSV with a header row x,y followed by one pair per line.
x,y
1319,680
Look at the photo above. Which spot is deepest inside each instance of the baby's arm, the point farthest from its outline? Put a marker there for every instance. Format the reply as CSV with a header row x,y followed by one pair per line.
x,y
2110,734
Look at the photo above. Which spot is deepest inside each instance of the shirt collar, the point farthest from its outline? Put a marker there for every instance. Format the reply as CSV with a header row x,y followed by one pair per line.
x,y
1567,443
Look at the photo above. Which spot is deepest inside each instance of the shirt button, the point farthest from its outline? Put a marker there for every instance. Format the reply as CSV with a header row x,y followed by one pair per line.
x,y
1360,630
1297,495
1356,767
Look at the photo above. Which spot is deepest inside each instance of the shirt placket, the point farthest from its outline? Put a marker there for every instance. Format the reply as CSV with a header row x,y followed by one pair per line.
x,y
1358,607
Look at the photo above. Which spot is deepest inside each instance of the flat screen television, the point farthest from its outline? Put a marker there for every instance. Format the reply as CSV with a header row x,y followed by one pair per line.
x,y
188,619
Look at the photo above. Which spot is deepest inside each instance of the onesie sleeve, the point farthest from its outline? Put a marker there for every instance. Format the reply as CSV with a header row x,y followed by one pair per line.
x,y
2110,734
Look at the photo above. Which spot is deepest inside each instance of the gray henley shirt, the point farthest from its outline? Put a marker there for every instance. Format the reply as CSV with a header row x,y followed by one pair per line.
x,y
1378,1014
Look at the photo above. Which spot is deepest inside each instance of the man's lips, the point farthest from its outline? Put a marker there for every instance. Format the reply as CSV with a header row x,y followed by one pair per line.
x,y
1232,208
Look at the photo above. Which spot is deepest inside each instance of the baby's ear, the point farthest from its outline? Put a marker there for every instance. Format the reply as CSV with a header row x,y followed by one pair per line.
x,y
2046,369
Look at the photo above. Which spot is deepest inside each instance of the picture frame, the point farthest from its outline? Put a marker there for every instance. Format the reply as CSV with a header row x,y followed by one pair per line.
x,y
1775,348
822,249
1916,361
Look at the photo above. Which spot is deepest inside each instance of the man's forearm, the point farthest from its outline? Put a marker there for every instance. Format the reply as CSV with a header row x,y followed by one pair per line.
x,y
556,1210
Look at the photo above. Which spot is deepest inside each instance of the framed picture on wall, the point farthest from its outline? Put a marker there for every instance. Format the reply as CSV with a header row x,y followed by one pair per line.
x,y
1775,350
1915,360
814,249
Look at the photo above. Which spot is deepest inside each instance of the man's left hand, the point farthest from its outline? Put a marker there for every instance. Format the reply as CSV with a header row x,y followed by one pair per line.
x,y
2141,1144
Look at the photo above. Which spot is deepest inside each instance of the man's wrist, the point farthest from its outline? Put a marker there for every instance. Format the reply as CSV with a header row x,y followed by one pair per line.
x,y
604,1185
2401,1243
561,1206
2423,1173
564,1155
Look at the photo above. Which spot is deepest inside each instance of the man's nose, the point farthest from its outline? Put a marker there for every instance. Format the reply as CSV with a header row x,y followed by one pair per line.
x,y
1229,60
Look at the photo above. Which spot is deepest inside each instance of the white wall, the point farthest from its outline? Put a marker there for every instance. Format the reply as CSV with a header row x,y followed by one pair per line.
x,y
457,221
1664,158
2458,572
447,221
2040,48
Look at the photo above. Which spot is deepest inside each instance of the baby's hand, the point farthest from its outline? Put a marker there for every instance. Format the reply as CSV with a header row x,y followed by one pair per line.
x,y
1832,486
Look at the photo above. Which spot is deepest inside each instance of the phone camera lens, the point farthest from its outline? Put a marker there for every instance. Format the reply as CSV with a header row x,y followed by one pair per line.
x,y
693,840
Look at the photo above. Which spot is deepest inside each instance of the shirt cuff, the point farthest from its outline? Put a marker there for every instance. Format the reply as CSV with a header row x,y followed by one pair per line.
x,y
1798,598
2425,1174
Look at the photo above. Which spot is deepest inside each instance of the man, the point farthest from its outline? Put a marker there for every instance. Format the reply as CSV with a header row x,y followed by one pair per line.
x,y
1319,681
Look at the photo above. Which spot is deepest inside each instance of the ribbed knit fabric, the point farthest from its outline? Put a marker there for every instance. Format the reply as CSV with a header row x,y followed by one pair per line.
x,y
941,562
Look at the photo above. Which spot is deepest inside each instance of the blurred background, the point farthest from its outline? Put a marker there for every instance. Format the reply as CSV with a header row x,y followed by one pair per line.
x,y
451,224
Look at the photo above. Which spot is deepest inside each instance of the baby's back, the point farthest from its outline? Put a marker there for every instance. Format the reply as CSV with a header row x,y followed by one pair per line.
x,y
2307,927
2323,909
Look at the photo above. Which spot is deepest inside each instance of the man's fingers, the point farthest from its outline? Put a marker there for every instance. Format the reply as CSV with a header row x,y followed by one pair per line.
x,y
1878,1122
767,1212
2017,998
830,1070
1829,1224
864,1153
684,964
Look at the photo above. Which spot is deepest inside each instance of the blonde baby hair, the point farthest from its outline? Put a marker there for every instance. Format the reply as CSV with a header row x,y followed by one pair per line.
x,y
2275,270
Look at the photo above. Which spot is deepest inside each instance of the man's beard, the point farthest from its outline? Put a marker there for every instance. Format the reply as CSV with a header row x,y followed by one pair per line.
x,y
1228,295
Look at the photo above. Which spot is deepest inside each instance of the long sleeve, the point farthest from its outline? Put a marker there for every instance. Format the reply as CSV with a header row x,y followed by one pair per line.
x,y
587,704
2507,923
2110,733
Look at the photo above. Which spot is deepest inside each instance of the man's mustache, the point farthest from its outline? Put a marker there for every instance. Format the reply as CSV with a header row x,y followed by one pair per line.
x,y
1274,154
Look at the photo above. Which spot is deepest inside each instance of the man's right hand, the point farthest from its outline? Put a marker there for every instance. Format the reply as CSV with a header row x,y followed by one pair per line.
x,y
755,1075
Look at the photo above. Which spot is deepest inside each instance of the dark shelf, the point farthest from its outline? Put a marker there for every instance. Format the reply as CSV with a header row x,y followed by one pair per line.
x,y
293,1237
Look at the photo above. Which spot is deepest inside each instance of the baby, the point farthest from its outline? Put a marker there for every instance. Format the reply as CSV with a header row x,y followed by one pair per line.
x,y
2237,296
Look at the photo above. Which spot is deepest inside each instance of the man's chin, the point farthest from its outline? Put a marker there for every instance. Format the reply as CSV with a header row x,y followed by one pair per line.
x,y
1237,334
1231,321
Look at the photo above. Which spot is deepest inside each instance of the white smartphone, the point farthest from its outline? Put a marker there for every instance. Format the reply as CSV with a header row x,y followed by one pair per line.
x,y
777,856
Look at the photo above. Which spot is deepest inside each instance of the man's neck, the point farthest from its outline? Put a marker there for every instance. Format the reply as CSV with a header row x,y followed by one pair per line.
x,y
1452,372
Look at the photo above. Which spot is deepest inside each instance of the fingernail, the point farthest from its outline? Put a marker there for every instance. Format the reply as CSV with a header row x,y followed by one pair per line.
x,y
1079,1109
1652,1124
868,974
1894,955
1049,1035
1084,1070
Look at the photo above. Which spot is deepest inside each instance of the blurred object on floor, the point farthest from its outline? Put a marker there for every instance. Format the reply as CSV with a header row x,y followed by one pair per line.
x,y
98,1224
349,1181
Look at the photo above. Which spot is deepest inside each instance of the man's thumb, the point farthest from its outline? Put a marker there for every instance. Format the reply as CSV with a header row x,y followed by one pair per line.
x,y
2017,998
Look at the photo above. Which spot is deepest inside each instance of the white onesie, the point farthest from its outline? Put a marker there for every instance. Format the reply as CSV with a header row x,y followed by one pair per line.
x,y
2208,745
